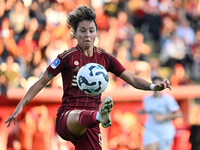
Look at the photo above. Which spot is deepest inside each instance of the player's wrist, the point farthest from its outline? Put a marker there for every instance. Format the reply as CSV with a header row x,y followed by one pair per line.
x,y
152,87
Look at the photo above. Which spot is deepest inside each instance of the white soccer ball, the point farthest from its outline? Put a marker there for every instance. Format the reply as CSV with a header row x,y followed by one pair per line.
x,y
92,79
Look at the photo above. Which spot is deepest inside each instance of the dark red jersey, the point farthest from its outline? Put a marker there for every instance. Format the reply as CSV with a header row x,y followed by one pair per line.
x,y
69,63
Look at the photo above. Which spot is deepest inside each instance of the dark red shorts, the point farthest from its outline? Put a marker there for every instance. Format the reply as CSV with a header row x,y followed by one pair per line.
x,y
90,140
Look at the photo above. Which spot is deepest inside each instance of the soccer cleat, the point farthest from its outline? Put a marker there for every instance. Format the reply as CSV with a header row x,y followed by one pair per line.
x,y
105,110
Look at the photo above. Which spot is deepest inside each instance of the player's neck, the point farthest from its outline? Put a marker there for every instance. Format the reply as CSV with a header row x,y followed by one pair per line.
x,y
87,51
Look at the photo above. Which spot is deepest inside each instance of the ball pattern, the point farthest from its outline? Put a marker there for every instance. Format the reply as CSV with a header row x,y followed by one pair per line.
x,y
92,79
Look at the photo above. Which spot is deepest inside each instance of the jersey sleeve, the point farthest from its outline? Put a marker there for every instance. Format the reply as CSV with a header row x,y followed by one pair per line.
x,y
115,66
172,104
56,66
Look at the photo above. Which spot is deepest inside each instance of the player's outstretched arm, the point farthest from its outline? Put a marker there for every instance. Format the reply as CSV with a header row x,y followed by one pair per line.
x,y
171,116
142,84
31,93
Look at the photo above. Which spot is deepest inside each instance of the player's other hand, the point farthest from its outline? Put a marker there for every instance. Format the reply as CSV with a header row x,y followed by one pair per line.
x,y
162,85
10,119
13,116
159,117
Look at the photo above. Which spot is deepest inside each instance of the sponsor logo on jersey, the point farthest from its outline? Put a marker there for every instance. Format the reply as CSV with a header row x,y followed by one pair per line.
x,y
55,64
76,69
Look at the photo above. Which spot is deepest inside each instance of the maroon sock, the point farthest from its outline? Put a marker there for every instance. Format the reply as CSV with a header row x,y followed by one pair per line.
x,y
87,118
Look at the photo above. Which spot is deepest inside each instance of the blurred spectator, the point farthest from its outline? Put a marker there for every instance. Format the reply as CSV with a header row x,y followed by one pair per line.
x,y
13,141
182,135
37,64
30,132
5,8
37,9
106,39
55,15
36,61
152,24
32,27
18,18
195,50
3,84
173,51
142,69
7,44
53,49
125,30
140,50
44,39
128,132
137,12
43,134
156,68
194,19
59,144
111,8
167,29
179,76
21,135
27,46
122,57
185,32
101,19
26,128
3,13
166,6
10,70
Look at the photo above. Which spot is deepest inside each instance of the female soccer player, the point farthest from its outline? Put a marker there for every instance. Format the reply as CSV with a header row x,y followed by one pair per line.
x,y
161,109
79,116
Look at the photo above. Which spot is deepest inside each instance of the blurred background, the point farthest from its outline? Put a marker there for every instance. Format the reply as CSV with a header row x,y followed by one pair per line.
x,y
149,37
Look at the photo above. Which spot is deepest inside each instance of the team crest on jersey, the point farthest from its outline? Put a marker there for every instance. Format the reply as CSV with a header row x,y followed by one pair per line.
x,y
55,64
76,63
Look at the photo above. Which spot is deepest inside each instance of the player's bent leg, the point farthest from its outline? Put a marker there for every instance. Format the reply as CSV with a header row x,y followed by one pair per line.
x,y
73,124
105,111
79,120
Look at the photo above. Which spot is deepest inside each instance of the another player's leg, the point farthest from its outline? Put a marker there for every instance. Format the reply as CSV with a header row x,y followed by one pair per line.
x,y
104,112
152,146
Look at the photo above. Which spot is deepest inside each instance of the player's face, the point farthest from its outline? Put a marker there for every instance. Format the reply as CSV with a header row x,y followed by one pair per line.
x,y
156,82
86,34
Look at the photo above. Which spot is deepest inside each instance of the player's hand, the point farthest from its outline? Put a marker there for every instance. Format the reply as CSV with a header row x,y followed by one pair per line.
x,y
13,116
162,85
141,111
159,117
